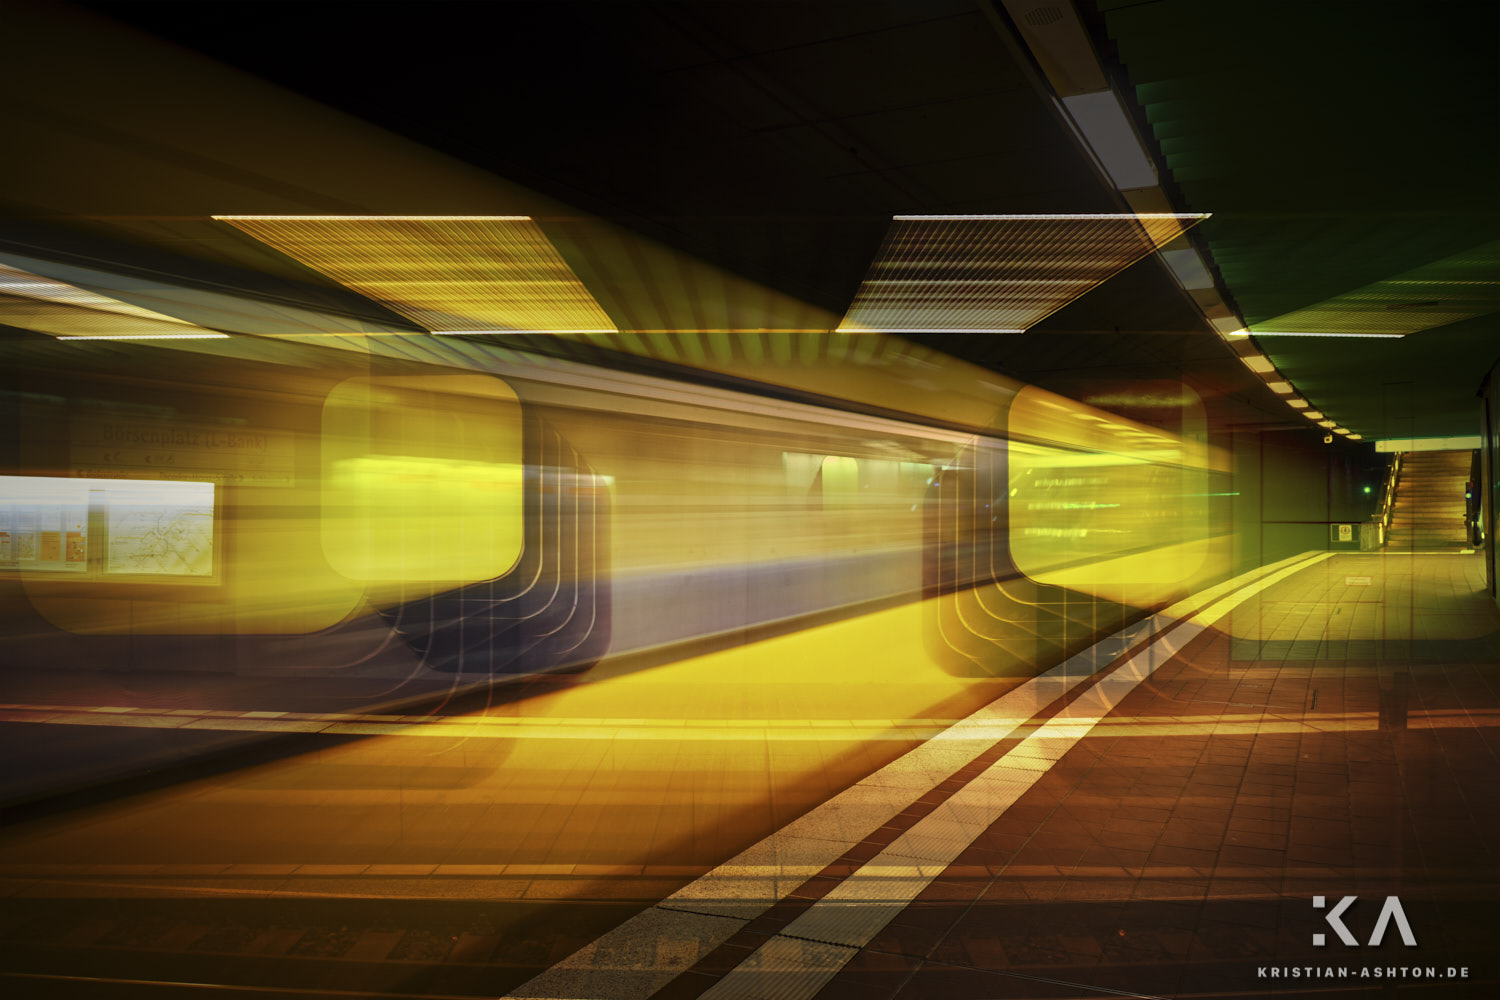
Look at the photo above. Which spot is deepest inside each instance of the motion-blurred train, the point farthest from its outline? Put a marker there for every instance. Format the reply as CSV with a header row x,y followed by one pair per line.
x,y
259,505
316,496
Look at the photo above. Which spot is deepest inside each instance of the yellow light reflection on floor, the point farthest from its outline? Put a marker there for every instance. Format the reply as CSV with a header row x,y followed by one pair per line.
x,y
787,743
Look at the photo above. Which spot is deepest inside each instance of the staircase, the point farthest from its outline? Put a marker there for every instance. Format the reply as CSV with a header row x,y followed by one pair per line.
x,y
1428,512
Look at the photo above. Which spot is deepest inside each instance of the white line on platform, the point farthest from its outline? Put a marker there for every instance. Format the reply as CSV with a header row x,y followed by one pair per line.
x,y
649,950
811,950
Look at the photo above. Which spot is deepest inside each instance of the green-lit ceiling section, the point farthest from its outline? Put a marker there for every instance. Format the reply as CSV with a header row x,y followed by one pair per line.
x,y
1445,291
1342,148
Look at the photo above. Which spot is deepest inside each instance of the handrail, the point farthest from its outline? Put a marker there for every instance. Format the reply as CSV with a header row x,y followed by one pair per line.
x,y
1388,496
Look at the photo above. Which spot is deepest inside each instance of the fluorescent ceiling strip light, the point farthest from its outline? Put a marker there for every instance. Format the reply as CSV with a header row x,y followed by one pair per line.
x,y
846,329
475,333
14,281
1326,423
997,273
1299,404
1282,388
738,330
31,301
1356,437
457,274
1313,414
154,336
1258,363
733,329
1095,217
1288,333
373,218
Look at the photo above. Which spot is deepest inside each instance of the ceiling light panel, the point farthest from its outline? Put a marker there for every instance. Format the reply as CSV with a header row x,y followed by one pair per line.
x,y
454,274
997,273
154,336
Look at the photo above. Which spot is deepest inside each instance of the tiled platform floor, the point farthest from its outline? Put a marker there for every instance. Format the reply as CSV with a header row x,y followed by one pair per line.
x,y
1334,736
1339,738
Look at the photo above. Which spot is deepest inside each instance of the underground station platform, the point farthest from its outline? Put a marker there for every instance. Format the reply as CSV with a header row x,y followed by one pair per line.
x,y
1278,786
918,500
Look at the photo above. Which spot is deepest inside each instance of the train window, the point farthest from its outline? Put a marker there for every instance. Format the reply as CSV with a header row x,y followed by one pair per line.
x,y
121,529
187,503
840,479
823,479
1098,500
422,478
801,472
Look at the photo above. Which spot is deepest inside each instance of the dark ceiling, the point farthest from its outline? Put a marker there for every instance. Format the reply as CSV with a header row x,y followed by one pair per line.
x,y
776,138
1336,144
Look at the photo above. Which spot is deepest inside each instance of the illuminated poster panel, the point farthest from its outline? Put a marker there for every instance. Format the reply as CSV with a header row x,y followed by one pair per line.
x,y
110,528
44,524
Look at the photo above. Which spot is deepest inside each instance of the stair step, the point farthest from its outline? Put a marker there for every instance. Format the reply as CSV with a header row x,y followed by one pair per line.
x,y
1406,532
1427,508
1429,515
